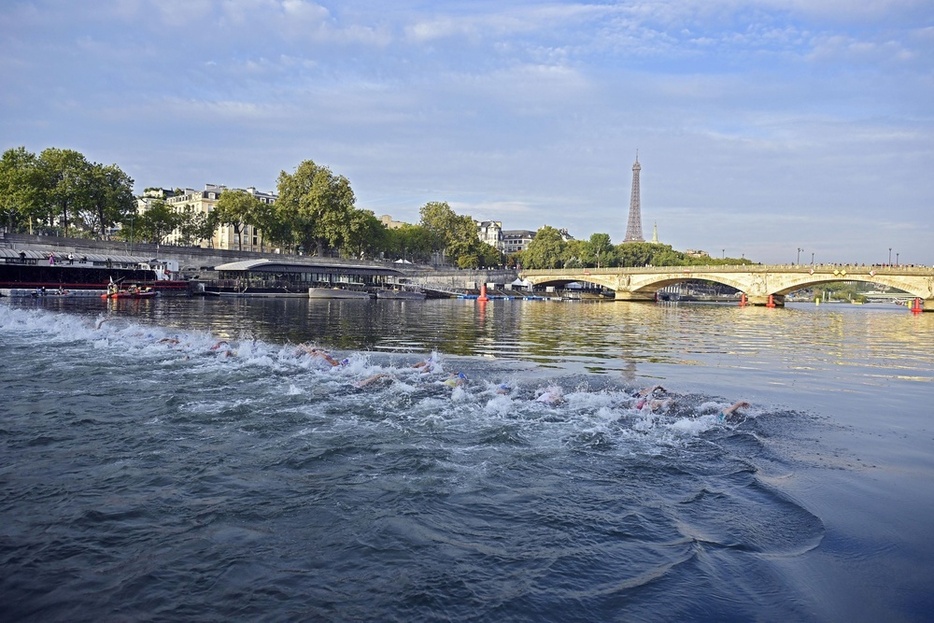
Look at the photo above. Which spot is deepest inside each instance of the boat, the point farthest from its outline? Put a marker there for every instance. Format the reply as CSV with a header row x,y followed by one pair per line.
x,y
26,272
401,294
338,293
58,292
297,278
131,292
253,293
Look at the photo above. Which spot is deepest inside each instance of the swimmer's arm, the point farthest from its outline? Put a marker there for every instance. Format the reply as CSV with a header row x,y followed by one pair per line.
x,y
733,407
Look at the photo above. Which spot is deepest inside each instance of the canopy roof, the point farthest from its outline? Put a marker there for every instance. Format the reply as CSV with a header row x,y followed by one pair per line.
x,y
266,265
31,254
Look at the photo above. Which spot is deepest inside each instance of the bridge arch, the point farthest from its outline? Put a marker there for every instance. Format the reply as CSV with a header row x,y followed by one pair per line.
x,y
760,284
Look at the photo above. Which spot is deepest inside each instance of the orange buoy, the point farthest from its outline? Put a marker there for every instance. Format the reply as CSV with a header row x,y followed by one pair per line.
x,y
482,298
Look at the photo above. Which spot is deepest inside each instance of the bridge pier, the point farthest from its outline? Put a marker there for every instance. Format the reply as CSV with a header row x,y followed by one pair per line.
x,y
639,297
777,300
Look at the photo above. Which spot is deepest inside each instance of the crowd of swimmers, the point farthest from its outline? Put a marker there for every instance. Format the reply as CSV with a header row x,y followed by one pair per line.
x,y
652,399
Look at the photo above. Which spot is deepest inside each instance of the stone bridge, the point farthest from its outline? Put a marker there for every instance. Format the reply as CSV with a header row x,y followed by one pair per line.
x,y
762,285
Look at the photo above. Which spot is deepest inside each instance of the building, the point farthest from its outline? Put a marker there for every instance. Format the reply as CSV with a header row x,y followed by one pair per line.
x,y
491,232
203,202
150,195
515,240
389,223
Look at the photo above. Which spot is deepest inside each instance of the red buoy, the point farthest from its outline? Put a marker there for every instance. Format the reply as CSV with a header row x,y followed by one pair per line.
x,y
482,296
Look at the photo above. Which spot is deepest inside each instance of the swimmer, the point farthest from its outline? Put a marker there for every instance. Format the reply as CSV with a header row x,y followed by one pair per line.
x,y
551,396
319,353
646,398
428,365
169,340
645,391
503,389
101,322
373,379
654,404
456,380
731,410
223,348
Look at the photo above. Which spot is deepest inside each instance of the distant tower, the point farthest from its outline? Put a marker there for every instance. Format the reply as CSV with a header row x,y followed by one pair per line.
x,y
655,233
634,226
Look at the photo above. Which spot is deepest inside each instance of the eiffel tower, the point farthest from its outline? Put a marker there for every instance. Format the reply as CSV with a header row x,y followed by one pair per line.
x,y
634,226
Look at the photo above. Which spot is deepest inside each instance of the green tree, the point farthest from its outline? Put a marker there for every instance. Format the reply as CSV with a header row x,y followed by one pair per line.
x,y
412,243
514,260
490,256
195,226
110,198
547,249
600,251
155,223
439,220
63,185
457,236
576,254
236,208
18,196
269,221
365,234
317,204
633,254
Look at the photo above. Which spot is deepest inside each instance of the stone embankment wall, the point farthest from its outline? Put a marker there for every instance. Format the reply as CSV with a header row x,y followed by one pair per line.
x,y
458,280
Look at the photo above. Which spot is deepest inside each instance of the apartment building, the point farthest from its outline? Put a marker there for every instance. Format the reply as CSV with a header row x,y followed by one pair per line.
x,y
203,202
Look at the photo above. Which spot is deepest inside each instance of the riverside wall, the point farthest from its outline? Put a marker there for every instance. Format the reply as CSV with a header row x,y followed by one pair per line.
x,y
452,280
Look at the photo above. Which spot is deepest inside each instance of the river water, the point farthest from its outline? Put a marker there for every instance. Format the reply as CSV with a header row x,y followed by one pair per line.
x,y
183,459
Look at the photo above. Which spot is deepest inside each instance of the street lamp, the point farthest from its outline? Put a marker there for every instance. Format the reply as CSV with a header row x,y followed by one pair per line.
x,y
798,261
724,253
890,256
812,258
896,258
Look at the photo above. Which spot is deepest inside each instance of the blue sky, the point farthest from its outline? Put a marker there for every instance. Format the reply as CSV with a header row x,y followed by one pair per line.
x,y
762,126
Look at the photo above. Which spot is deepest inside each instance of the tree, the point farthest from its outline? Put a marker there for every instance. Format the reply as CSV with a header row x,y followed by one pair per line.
x,y
457,236
155,223
195,226
317,204
64,185
490,256
410,242
236,208
547,249
274,229
110,198
365,234
636,253
600,251
438,219
18,197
